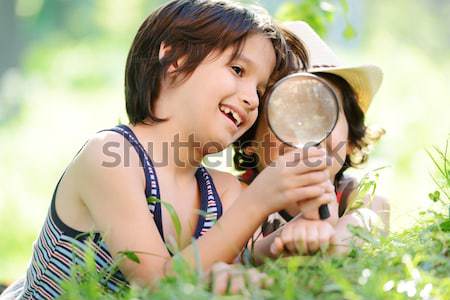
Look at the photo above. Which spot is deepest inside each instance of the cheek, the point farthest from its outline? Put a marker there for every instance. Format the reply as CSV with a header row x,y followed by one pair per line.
x,y
224,82
253,116
222,86
337,144
270,149
267,145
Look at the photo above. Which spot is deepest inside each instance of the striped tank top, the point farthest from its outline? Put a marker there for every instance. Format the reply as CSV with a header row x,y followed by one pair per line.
x,y
60,247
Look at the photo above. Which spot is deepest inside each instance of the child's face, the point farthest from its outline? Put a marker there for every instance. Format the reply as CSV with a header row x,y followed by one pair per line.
x,y
269,147
219,101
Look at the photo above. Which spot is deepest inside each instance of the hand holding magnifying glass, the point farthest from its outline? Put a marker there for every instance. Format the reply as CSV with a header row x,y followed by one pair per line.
x,y
302,110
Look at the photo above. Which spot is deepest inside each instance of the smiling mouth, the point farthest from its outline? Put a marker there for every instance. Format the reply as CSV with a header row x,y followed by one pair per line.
x,y
232,115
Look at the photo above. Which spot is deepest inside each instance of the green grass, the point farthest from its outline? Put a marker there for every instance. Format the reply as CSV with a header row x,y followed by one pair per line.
x,y
412,264
71,89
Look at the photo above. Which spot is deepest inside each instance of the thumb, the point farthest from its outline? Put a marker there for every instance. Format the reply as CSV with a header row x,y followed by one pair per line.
x,y
276,248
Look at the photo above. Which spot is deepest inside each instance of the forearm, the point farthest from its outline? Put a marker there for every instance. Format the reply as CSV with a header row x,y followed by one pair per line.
x,y
227,238
261,248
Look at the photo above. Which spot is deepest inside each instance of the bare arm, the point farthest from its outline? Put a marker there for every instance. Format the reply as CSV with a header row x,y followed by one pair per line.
x,y
117,205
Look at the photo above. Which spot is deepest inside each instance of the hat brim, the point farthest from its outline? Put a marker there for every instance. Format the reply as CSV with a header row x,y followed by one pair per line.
x,y
365,80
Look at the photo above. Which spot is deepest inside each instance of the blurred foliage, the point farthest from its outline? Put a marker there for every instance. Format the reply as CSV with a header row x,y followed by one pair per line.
x,y
61,80
319,14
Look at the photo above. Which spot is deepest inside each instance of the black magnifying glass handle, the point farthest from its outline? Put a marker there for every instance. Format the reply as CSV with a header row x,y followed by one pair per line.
x,y
324,212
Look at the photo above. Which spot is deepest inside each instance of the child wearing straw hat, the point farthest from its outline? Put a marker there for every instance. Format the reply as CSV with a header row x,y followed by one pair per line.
x,y
346,146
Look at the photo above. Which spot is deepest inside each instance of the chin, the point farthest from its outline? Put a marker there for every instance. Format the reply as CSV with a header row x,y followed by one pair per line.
x,y
214,146
212,149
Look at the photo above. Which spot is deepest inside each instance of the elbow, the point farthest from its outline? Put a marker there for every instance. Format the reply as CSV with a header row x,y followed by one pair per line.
x,y
143,275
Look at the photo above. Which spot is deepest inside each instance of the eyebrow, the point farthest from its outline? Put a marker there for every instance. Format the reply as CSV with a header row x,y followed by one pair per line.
x,y
252,64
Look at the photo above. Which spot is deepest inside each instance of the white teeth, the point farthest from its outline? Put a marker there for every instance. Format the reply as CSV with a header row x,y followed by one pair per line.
x,y
237,118
227,110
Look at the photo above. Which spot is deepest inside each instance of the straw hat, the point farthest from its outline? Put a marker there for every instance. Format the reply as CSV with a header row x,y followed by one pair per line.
x,y
365,79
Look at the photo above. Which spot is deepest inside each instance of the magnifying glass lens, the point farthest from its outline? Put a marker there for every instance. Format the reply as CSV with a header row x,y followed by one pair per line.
x,y
302,110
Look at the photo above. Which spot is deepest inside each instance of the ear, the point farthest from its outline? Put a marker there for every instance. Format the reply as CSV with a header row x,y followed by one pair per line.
x,y
165,50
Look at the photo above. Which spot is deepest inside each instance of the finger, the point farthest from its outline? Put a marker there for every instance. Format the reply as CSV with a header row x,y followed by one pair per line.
x,y
311,215
329,186
255,278
300,240
339,246
220,278
237,283
307,165
325,235
304,194
314,203
277,247
287,239
219,267
312,239
311,178
296,154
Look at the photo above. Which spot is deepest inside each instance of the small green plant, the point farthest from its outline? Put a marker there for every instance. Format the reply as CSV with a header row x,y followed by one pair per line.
x,y
413,264
318,13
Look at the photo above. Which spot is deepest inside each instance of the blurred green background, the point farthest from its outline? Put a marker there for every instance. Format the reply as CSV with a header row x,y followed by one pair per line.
x,y
61,80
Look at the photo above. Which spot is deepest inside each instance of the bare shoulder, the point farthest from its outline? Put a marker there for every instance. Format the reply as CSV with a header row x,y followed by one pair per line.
x,y
107,158
228,186
107,149
104,145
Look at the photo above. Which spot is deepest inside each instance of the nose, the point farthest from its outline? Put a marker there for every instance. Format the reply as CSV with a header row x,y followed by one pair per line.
x,y
250,98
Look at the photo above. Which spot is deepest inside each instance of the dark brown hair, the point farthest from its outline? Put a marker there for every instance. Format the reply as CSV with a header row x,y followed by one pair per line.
x,y
190,29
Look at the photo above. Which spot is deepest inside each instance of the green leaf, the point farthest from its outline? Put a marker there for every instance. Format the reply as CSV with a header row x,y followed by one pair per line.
x,y
436,163
434,196
445,226
174,217
131,256
349,31
173,214
152,200
363,234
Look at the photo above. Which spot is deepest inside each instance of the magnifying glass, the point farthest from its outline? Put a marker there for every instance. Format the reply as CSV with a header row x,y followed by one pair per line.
x,y
302,110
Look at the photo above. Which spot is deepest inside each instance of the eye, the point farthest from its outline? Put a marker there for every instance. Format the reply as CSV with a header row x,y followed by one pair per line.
x,y
238,70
